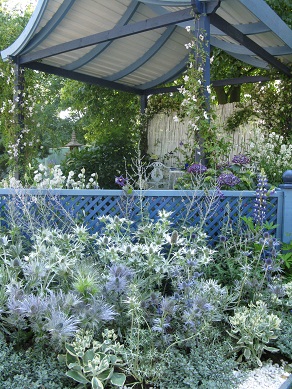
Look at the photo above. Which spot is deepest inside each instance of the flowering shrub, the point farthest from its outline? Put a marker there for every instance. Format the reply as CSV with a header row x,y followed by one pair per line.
x,y
197,168
228,179
240,159
271,153
236,175
53,178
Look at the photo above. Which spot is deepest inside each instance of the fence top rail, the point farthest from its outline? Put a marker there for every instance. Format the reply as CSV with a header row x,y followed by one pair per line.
x,y
118,192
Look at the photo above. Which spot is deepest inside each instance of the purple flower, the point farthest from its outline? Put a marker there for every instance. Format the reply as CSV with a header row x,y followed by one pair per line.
x,y
197,168
121,181
259,211
240,159
228,179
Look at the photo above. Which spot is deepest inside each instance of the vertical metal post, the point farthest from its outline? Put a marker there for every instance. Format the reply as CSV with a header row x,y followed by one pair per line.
x,y
144,130
204,8
287,206
143,103
19,115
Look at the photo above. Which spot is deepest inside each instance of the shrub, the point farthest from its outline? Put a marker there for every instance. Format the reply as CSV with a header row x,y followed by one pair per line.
x,y
109,158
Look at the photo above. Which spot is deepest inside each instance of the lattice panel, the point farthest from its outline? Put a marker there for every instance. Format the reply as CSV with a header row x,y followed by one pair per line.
x,y
213,212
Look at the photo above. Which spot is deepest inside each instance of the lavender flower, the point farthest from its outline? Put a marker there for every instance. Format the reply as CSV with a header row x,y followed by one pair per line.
x,y
228,179
121,181
197,168
240,159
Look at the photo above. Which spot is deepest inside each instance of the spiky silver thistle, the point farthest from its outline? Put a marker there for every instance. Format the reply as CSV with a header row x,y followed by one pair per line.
x,y
119,276
61,326
33,306
96,312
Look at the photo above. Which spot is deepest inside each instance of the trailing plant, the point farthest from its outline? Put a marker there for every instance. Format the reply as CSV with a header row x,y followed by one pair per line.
x,y
202,143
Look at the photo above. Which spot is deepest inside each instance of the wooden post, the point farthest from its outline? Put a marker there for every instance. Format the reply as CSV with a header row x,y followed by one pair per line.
x,y
287,207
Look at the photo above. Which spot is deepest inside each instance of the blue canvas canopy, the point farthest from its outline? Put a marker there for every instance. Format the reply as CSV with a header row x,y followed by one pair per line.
x,y
137,45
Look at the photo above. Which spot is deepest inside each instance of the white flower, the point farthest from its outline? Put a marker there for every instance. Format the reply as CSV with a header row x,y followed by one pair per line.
x,y
175,119
188,28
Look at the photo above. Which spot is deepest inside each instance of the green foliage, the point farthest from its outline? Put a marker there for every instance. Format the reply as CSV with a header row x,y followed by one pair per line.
x,y
206,365
110,158
101,113
270,103
30,369
286,256
107,119
283,342
95,362
28,137
283,9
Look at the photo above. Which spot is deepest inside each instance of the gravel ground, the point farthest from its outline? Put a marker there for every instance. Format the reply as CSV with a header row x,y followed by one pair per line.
x,y
269,376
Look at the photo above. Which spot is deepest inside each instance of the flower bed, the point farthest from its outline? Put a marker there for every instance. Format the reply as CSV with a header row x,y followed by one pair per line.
x,y
140,301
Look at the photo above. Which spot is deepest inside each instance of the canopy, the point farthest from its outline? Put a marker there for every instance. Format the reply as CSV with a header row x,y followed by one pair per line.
x,y
136,45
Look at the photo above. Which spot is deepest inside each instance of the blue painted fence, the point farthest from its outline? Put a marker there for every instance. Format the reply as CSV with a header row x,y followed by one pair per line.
x,y
186,207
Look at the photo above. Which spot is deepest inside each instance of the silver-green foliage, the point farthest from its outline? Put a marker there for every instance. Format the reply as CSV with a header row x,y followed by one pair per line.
x,y
30,369
93,362
253,327
206,365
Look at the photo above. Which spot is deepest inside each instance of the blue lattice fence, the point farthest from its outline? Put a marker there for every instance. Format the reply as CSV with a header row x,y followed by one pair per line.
x,y
186,207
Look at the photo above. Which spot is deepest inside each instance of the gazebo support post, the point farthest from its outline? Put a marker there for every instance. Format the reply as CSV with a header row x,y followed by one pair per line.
x,y
203,8
19,115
